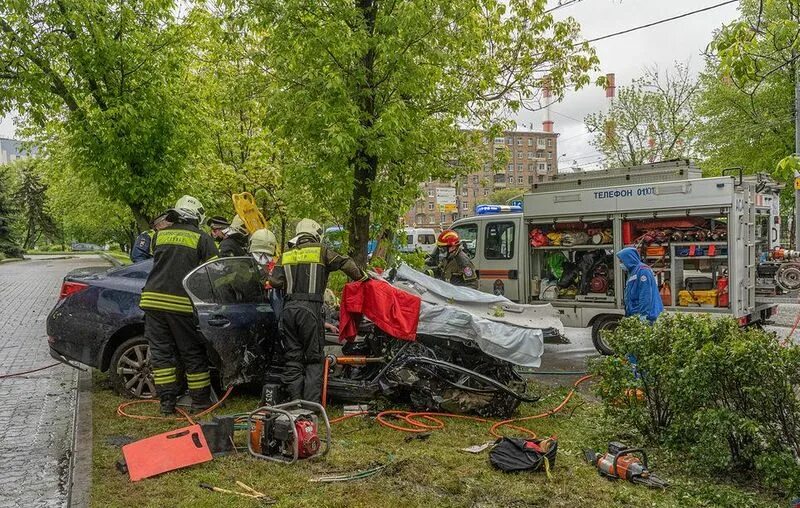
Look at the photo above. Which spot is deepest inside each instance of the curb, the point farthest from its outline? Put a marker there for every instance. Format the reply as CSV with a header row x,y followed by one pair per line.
x,y
111,259
80,484
11,260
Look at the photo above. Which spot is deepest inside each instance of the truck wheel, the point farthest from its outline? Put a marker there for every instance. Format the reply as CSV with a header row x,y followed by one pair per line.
x,y
130,370
603,324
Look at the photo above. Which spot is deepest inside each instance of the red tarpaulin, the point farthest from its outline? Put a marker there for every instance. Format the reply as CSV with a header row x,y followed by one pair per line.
x,y
392,310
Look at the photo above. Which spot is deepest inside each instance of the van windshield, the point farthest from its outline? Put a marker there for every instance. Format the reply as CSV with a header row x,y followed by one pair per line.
x,y
426,239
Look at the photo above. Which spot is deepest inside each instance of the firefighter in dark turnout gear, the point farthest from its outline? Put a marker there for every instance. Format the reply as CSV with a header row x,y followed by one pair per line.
x,y
236,239
169,324
302,273
450,263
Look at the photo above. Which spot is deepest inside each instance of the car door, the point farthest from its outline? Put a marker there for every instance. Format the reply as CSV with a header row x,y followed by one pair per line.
x,y
499,272
234,315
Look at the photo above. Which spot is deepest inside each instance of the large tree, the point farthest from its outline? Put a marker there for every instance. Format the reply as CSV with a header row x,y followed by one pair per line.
x,y
8,246
755,58
746,101
373,93
30,200
650,120
106,77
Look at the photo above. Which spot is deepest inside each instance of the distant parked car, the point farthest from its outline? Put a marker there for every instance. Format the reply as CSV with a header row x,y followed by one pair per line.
x,y
85,247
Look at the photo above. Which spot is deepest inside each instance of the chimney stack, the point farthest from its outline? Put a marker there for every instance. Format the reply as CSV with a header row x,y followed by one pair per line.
x,y
547,124
611,93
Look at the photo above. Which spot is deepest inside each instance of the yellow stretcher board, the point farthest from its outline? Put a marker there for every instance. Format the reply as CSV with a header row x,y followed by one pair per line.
x,y
246,208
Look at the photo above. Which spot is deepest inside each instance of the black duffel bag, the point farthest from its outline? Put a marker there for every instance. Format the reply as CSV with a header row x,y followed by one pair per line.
x,y
513,454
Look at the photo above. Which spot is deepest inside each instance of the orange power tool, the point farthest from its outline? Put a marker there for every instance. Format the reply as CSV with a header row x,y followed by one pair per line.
x,y
621,462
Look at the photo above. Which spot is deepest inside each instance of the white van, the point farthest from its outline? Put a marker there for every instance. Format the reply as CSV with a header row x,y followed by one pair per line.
x,y
422,239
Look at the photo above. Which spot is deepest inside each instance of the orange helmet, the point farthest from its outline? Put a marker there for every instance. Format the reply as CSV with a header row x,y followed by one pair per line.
x,y
448,238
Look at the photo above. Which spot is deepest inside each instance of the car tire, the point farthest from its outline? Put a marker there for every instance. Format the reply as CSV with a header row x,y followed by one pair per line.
x,y
600,325
130,370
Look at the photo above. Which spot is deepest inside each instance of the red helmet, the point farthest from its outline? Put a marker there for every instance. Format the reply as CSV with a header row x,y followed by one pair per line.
x,y
448,238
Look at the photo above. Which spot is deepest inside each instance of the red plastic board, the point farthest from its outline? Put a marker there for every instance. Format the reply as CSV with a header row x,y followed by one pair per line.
x,y
171,450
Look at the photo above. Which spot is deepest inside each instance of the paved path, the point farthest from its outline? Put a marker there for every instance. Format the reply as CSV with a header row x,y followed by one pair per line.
x,y
37,410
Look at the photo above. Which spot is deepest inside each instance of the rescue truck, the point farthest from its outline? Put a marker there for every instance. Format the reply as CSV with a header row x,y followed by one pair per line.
x,y
703,238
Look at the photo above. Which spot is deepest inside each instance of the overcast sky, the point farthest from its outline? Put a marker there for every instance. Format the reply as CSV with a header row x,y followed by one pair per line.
x,y
626,55
682,40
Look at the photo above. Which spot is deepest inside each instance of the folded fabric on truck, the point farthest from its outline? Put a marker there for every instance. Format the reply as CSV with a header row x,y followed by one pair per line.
x,y
393,310
501,328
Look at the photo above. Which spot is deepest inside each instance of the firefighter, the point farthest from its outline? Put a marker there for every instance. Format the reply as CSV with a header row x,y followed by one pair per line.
x,y
263,245
302,273
450,263
218,225
236,239
641,289
169,325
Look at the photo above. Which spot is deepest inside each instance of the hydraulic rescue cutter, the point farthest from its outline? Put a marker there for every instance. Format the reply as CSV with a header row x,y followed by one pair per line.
x,y
621,462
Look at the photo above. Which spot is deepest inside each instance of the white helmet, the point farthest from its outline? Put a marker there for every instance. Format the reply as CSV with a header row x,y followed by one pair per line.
x,y
263,240
189,207
237,226
309,227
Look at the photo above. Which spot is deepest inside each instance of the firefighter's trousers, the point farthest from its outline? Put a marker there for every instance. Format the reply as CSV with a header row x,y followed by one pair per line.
x,y
174,339
304,341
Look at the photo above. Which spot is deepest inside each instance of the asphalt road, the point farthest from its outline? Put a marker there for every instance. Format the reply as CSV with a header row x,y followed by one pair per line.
x,y
36,410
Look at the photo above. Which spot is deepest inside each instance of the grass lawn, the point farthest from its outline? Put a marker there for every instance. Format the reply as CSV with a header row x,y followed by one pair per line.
x,y
425,473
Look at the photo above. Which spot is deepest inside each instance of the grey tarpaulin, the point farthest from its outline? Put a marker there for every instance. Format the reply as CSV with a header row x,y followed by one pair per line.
x,y
500,327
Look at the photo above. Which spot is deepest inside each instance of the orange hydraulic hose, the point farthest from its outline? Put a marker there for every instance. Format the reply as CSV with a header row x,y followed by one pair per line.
x,y
325,381
432,421
185,416
493,430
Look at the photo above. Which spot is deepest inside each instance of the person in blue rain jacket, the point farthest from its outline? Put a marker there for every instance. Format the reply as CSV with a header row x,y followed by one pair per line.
x,y
641,289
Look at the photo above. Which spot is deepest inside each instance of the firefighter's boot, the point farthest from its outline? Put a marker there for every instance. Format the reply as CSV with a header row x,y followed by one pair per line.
x,y
201,399
167,395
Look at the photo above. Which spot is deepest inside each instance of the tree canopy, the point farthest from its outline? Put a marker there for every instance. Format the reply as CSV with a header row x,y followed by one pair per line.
x,y
108,78
374,93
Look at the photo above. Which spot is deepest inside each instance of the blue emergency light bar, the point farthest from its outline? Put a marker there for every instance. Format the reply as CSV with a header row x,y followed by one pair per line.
x,y
491,209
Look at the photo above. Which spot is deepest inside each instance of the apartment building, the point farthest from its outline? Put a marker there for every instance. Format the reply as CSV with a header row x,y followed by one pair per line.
x,y
532,156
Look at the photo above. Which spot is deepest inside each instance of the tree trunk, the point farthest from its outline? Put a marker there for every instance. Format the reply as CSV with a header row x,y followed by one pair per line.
x,y
142,222
366,167
364,163
283,233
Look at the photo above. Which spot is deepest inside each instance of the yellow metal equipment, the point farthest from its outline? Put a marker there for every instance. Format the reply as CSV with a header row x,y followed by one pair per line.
x,y
246,208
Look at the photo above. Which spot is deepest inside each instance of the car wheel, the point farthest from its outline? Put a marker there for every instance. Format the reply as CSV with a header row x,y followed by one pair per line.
x,y
601,325
130,370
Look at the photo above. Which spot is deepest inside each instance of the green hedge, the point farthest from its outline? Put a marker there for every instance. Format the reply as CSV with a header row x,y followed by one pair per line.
x,y
724,397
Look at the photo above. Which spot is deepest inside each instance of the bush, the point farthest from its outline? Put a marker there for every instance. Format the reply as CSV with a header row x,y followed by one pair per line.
x,y
723,395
